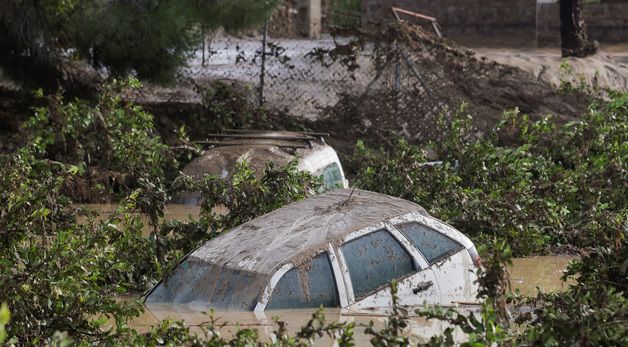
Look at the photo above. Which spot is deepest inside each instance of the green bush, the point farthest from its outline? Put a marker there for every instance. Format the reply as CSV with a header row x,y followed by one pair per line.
x,y
113,143
593,312
57,274
538,185
62,273
5,318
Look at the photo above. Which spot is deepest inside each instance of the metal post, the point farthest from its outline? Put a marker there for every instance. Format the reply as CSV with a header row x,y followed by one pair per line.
x,y
203,46
263,71
536,28
397,76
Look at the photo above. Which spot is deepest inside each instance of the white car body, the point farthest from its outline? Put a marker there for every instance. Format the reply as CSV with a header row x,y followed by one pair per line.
x,y
316,162
259,148
278,261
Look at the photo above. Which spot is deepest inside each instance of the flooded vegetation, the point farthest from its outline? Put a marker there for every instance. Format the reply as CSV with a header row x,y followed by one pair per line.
x,y
526,274
62,262
529,169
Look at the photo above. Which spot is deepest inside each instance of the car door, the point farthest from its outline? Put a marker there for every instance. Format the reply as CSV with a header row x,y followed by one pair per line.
x,y
308,285
449,260
371,258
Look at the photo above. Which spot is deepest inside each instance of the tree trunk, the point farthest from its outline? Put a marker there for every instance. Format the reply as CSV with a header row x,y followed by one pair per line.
x,y
573,30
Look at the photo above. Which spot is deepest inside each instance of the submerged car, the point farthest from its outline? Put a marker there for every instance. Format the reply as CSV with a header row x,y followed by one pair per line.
x,y
260,147
338,249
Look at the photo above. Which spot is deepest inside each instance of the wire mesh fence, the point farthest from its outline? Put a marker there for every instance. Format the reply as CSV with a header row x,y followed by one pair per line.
x,y
396,82
295,75
304,77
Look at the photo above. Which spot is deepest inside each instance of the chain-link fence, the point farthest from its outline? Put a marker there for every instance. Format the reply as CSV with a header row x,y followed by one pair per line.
x,y
305,76
295,75
385,84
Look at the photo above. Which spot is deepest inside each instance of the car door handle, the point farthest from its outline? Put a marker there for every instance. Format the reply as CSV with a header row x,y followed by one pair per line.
x,y
422,286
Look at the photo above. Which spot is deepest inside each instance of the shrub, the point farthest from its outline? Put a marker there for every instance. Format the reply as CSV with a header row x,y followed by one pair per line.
x,y
535,184
56,273
113,143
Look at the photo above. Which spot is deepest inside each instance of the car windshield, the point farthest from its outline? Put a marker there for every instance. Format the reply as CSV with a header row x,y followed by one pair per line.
x,y
221,287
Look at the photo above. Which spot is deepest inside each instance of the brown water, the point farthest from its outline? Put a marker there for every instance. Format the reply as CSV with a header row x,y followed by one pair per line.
x,y
526,275
172,212
543,272
230,322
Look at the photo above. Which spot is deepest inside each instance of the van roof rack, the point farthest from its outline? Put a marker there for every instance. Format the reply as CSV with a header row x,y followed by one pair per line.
x,y
304,137
222,144
256,131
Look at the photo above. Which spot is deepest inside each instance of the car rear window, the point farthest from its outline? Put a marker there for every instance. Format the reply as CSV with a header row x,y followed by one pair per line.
x,y
219,287
374,260
306,286
432,244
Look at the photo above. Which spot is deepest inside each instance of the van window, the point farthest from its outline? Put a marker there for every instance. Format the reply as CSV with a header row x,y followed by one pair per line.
x,y
434,245
332,177
303,287
374,260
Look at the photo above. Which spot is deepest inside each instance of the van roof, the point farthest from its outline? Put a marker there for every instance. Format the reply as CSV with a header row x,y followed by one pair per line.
x,y
256,147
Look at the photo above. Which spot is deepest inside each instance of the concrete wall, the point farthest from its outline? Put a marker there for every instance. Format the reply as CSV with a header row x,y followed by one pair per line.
x,y
460,16
607,20
298,18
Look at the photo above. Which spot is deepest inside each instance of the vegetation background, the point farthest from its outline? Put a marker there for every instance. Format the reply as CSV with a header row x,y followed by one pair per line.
x,y
526,187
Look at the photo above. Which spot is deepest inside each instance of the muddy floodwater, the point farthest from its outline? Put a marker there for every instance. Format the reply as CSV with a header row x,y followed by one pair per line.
x,y
526,275
172,212
543,272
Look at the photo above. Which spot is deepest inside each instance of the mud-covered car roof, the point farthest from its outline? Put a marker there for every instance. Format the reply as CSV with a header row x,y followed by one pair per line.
x,y
231,270
256,148
299,230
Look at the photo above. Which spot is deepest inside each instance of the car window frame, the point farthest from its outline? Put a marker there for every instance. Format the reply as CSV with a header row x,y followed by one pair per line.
x,y
442,256
435,225
419,262
266,294
340,269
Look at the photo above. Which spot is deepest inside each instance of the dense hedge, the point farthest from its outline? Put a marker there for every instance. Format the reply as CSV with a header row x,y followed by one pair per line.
x,y
540,186
528,187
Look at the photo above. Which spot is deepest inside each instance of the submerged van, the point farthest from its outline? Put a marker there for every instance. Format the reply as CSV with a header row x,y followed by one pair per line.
x,y
260,147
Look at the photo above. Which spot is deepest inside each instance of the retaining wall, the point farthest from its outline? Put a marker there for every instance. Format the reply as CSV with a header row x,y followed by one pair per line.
x,y
607,20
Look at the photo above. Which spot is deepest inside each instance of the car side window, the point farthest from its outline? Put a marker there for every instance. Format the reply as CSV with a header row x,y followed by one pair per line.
x,y
332,177
306,287
374,260
434,245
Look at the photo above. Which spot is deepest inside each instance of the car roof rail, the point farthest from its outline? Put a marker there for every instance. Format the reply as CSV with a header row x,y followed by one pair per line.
x,y
301,139
257,131
223,144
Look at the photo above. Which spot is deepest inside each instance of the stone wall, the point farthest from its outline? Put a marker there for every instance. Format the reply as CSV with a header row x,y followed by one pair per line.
x,y
608,20
459,17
